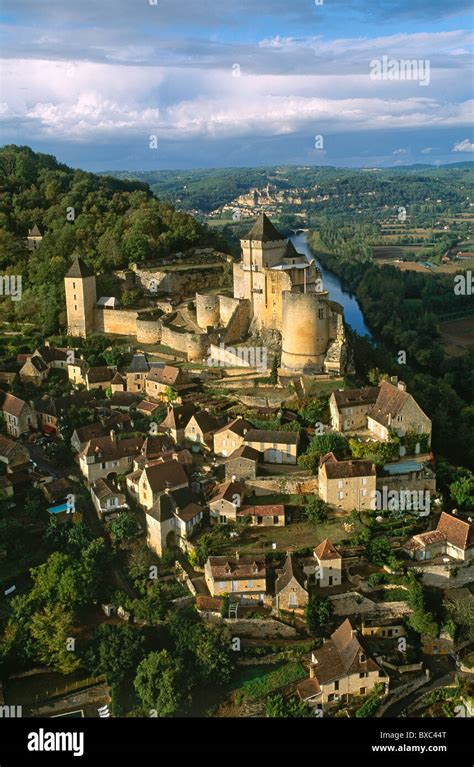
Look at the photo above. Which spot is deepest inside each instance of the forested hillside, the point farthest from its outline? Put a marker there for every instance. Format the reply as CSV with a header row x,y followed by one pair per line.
x,y
109,222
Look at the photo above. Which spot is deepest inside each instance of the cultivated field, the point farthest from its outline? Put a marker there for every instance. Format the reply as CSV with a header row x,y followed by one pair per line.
x,y
457,335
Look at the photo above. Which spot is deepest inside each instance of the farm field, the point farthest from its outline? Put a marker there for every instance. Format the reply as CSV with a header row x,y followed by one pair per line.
x,y
457,335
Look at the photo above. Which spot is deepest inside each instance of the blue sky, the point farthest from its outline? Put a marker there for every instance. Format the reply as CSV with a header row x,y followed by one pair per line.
x,y
237,82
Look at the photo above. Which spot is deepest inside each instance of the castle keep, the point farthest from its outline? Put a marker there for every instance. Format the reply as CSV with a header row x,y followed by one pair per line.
x,y
275,289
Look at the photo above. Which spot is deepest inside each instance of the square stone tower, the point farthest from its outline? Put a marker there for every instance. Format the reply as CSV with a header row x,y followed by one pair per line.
x,y
81,298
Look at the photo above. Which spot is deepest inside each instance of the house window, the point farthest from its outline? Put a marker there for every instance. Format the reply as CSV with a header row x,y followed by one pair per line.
x,y
103,465
293,600
222,519
362,658
340,483
222,584
250,584
340,495
234,585
320,314
336,685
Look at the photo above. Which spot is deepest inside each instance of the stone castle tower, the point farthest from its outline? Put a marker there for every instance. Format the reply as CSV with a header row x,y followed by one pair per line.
x,y
81,298
285,293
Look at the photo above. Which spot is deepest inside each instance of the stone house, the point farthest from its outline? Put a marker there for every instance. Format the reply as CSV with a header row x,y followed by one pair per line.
x,y
453,537
326,565
291,591
348,485
136,373
13,454
393,409
349,407
107,498
340,670
99,377
242,463
160,380
20,416
158,477
276,446
118,383
264,516
108,457
177,417
50,410
172,519
243,578
34,371
200,428
230,437
226,502
119,422
76,372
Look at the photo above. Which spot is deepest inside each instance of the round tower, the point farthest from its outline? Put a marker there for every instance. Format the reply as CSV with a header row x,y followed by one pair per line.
x,y
305,332
207,311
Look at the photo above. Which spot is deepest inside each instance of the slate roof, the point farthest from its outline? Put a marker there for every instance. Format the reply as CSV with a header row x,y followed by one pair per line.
x,y
139,364
390,401
234,569
165,475
272,437
108,449
238,426
346,469
350,397
104,488
265,510
290,570
206,422
340,656
34,231
264,231
245,451
227,490
178,417
79,269
99,373
12,405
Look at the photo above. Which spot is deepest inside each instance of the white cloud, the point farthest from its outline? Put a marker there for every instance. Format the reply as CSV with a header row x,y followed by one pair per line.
x,y
400,151
463,146
427,150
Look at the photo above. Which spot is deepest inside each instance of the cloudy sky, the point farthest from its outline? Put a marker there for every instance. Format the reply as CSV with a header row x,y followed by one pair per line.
x,y
237,82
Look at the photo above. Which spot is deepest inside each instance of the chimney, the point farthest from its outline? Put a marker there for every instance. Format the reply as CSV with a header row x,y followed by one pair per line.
x,y
234,477
311,671
389,419
402,386
393,380
237,555
113,436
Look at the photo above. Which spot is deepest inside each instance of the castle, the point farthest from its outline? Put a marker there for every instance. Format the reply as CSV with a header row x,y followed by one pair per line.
x,y
276,289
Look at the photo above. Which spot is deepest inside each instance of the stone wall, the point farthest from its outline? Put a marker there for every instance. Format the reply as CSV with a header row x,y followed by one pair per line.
x,y
305,484
263,629
148,331
238,322
193,345
122,322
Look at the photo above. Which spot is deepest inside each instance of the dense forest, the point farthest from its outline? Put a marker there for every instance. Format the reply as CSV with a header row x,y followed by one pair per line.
x,y
403,309
110,223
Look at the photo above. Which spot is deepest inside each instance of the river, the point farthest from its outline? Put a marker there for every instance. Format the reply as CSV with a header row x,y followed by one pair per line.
x,y
352,311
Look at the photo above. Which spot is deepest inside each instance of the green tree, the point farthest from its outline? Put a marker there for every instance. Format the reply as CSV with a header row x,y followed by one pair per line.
x,y
124,526
319,613
115,651
51,628
276,706
316,510
160,684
